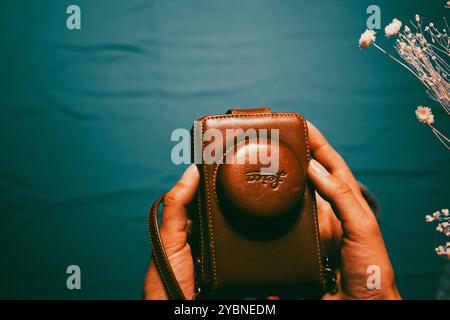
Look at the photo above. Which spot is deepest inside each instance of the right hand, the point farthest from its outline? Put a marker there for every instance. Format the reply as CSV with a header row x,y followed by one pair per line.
x,y
341,203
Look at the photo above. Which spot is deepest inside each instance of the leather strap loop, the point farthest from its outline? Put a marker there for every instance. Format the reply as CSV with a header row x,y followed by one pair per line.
x,y
173,289
254,110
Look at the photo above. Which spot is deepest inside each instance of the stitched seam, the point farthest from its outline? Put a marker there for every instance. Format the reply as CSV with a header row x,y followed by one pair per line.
x,y
199,204
217,168
270,115
154,254
158,239
303,200
255,115
202,249
212,248
171,275
308,154
157,262
316,226
252,115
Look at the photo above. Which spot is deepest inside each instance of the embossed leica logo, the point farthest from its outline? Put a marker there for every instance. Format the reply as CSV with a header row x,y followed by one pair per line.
x,y
273,180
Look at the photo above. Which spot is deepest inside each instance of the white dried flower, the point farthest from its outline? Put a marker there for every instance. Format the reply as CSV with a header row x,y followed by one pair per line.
x,y
407,29
436,215
367,38
443,219
417,18
424,115
431,24
393,28
441,250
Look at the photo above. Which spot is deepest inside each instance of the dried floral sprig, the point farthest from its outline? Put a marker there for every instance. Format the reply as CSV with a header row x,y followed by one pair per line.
x,y
367,38
428,59
425,115
423,59
423,52
443,219
393,28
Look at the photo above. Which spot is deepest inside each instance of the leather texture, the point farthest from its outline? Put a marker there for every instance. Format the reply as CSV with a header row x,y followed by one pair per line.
x,y
160,258
253,234
257,237
248,111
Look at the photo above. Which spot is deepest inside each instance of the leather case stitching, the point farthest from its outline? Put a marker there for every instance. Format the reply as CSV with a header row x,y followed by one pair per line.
x,y
257,115
154,211
316,225
200,219
211,246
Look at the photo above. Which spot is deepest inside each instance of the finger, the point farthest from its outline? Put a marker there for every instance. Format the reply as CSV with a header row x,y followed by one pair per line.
x,y
174,216
323,151
329,227
355,220
333,161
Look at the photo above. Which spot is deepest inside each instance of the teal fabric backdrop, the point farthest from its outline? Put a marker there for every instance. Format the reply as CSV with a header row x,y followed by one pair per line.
x,y
86,118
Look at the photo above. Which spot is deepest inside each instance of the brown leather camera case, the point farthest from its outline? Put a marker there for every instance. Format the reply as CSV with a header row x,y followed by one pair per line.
x,y
256,234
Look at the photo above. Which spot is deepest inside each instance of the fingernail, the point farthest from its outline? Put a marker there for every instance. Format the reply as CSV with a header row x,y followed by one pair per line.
x,y
318,168
189,173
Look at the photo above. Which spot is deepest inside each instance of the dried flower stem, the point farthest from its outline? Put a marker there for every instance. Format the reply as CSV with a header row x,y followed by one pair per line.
x,y
418,67
395,59
445,141
424,52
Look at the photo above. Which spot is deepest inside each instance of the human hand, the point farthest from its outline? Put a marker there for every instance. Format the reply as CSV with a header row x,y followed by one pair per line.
x,y
173,230
345,216
361,245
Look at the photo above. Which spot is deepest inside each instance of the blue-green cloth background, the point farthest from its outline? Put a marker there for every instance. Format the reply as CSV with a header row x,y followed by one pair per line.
x,y
86,118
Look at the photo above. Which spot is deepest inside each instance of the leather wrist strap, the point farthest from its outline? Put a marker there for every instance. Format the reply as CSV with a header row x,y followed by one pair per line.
x,y
161,260
162,263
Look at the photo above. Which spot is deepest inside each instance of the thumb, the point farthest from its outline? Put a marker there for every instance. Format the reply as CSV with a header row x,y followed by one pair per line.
x,y
174,216
356,221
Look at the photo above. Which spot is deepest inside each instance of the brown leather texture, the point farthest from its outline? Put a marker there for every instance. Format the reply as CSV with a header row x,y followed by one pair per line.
x,y
257,234
246,111
173,289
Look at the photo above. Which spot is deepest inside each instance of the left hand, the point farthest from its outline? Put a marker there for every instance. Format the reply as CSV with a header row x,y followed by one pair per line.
x,y
173,231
